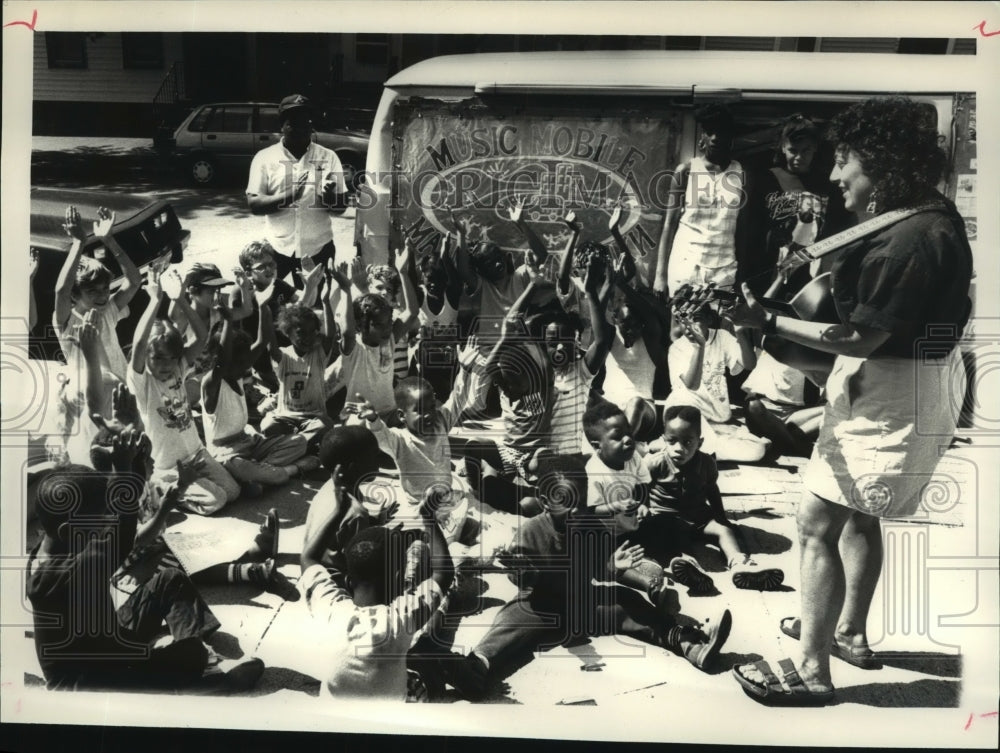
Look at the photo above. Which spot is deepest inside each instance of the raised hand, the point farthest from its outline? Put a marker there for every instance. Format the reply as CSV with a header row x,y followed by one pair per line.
x,y
388,512
468,356
172,284
516,210
461,223
153,287
404,256
337,483
595,273
571,223
33,264
125,448
339,274
360,407
359,273
615,218
748,312
627,557
73,224
104,223
88,335
124,408
310,269
244,282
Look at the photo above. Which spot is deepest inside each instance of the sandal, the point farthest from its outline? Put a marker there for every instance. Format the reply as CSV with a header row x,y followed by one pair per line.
x,y
788,690
859,656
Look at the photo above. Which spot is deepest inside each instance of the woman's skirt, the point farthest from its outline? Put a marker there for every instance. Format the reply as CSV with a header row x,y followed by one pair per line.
x,y
886,424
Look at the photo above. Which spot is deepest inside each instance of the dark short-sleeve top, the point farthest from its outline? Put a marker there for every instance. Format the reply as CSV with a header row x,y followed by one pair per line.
x,y
910,280
283,293
682,491
74,616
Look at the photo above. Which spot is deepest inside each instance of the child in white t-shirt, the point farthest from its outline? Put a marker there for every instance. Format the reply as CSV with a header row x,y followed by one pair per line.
x,y
699,358
156,377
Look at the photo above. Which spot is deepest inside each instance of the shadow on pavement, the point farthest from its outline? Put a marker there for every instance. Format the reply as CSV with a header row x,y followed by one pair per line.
x,y
927,662
917,694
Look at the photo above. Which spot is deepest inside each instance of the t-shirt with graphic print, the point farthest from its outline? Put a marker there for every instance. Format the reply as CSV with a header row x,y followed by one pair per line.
x,y
166,415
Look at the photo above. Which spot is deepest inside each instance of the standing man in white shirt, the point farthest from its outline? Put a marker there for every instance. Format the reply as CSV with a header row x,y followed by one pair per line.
x,y
298,186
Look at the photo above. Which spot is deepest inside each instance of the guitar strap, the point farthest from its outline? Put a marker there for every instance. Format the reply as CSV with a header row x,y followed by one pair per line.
x,y
797,257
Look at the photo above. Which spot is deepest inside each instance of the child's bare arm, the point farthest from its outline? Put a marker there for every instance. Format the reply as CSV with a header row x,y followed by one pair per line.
x,y
345,308
245,307
566,265
462,261
141,338
133,278
90,344
453,280
329,322
73,226
675,208
404,262
312,274
442,567
600,346
538,253
265,333
187,474
624,255
173,287
213,379
317,535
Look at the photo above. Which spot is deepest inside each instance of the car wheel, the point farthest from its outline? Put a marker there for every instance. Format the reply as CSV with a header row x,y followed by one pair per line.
x,y
202,170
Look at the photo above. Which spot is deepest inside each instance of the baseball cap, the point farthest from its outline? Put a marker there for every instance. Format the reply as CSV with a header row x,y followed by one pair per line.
x,y
205,275
293,102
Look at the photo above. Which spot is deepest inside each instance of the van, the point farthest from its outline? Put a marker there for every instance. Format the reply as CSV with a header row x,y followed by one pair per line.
x,y
584,130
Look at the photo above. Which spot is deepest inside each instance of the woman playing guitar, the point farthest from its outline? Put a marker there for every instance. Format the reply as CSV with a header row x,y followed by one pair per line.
x,y
894,393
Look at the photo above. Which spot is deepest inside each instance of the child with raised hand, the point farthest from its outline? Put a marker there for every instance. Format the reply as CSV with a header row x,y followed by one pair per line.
x,y
557,557
248,455
369,334
372,621
639,347
574,371
523,372
203,289
420,444
156,377
686,507
386,281
699,358
68,575
84,284
300,367
439,293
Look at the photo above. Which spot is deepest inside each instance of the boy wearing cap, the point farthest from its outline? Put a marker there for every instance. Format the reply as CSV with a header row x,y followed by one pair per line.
x,y
203,286
297,185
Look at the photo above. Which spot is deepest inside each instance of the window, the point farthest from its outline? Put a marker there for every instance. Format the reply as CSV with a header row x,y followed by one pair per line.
x,y
372,49
231,119
66,49
142,50
268,120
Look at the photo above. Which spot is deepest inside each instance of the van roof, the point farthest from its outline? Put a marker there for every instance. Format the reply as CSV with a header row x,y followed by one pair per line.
x,y
671,72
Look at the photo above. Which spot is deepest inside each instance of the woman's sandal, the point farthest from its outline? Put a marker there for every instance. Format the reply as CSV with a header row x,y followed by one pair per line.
x,y
788,690
859,656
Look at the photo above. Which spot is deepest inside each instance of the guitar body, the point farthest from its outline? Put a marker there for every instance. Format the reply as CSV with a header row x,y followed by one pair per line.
x,y
813,303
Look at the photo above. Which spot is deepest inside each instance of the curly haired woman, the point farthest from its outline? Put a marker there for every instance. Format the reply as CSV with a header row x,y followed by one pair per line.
x,y
894,392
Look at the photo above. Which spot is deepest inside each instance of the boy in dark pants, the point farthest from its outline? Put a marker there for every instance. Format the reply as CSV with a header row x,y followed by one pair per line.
x,y
557,556
92,631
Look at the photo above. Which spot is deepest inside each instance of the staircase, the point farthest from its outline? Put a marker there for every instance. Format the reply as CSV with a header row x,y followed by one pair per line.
x,y
170,104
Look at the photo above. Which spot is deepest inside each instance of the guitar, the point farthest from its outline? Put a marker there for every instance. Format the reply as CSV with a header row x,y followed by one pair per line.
x,y
813,303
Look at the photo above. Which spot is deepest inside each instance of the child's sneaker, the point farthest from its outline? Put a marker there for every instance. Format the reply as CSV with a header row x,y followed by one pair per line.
x,y
752,577
687,573
468,675
261,574
267,537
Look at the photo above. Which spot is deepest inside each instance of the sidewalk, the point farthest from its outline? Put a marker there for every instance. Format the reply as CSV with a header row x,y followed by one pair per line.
x,y
667,698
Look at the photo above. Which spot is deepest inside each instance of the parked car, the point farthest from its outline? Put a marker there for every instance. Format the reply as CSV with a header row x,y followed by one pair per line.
x,y
228,134
149,232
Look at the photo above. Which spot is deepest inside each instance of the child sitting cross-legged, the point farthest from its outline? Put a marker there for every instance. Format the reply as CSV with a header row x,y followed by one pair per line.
x,y
557,557
69,575
420,445
369,333
248,455
300,367
156,378
686,507
371,620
